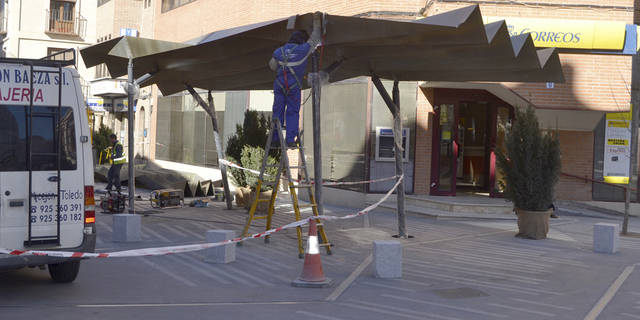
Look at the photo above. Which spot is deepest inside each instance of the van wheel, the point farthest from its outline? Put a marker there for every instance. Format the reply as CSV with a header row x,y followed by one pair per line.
x,y
64,272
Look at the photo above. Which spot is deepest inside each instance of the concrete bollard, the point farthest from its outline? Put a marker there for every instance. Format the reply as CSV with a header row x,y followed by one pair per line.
x,y
221,254
387,259
126,227
606,237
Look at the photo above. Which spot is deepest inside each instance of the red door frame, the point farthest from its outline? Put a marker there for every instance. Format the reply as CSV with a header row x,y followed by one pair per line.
x,y
455,97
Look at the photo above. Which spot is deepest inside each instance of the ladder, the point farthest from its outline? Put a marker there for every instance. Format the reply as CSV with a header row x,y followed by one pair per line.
x,y
274,183
55,116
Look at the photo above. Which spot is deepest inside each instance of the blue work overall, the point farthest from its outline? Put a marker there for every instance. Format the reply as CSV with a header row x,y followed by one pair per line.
x,y
292,65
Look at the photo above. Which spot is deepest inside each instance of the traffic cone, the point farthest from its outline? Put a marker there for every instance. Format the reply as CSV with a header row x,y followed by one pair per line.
x,y
312,275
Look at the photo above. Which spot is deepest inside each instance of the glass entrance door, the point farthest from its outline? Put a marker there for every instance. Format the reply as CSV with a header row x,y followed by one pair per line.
x,y
445,151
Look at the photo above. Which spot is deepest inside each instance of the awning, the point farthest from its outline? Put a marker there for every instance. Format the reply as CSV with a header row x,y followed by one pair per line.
x,y
453,46
572,120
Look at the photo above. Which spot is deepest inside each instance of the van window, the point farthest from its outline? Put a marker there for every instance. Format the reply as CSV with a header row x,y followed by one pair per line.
x,y
14,132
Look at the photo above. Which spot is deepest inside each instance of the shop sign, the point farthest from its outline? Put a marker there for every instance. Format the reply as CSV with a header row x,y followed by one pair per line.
x,y
574,34
617,147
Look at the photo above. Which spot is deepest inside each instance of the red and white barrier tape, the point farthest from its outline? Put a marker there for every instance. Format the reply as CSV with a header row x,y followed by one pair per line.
x,y
233,165
191,247
328,183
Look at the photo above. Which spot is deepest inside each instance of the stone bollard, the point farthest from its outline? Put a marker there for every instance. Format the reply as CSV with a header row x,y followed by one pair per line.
x,y
387,259
126,227
221,254
606,237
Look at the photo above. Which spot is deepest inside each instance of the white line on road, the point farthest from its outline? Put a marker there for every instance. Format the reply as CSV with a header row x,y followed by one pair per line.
x,y
167,272
380,285
185,230
317,316
176,231
606,298
155,234
199,270
347,282
442,305
393,314
503,285
402,310
542,304
205,304
522,310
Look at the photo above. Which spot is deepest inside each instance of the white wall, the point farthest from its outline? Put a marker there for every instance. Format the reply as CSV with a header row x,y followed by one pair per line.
x,y
26,37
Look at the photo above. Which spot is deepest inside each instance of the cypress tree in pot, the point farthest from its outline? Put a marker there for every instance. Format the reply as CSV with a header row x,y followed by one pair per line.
x,y
531,165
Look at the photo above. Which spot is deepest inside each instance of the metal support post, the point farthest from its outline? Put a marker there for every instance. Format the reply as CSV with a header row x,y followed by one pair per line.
x,y
394,107
635,101
317,143
131,163
210,109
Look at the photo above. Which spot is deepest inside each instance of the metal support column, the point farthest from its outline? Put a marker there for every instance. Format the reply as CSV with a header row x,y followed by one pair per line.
x,y
394,107
317,144
131,163
210,109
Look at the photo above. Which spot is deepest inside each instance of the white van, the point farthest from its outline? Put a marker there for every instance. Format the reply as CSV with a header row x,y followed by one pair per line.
x,y
46,166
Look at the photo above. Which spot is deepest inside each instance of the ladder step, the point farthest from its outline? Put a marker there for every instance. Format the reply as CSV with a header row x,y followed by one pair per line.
x,y
301,206
269,183
328,244
296,167
303,186
264,200
259,217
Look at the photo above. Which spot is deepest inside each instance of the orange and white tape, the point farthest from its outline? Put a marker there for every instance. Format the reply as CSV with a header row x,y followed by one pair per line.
x,y
191,247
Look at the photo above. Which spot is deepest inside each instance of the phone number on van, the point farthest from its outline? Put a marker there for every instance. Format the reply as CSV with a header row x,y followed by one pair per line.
x,y
46,213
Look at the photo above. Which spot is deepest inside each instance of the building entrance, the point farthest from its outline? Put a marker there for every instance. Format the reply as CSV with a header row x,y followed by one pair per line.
x,y
469,125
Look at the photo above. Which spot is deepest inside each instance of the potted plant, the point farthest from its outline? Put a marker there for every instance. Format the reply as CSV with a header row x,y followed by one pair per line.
x,y
530,163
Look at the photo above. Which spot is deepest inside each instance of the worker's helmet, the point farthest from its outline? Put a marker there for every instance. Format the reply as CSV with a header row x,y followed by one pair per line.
x,y
299,37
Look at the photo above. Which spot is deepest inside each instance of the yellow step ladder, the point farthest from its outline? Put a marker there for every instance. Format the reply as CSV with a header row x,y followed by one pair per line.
x,y
274,183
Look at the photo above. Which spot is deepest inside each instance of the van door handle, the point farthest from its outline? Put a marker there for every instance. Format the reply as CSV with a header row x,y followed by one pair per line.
x,y
16,203
53,178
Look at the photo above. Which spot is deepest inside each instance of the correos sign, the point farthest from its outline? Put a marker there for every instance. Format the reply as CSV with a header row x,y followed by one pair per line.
x,y
575,34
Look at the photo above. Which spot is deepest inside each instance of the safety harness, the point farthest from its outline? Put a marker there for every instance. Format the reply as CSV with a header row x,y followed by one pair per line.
x,y
289,65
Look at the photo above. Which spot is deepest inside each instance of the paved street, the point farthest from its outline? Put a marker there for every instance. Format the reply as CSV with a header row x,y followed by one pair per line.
x,y
453,269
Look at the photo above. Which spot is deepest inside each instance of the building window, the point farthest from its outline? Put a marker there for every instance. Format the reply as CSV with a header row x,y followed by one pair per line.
x,y
168,5
61,17
101,2
66,56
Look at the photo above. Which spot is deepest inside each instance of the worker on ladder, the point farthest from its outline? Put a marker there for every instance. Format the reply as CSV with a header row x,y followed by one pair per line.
x,y
290,64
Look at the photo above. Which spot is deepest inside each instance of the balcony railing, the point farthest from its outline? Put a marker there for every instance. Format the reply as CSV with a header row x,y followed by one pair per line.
x,y
60,25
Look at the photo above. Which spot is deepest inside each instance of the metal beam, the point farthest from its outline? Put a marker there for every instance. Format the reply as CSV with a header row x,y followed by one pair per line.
x,y
131,164
394,106
317,142
210,109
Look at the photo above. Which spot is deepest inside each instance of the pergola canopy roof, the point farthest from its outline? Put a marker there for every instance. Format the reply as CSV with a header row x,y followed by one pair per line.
x,y
453,46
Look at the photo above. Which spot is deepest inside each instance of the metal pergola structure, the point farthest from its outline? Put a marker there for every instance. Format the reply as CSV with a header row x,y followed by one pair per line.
x,y
452,46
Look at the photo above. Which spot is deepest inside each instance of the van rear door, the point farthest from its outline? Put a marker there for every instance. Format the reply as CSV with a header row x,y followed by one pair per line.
x,y
39,169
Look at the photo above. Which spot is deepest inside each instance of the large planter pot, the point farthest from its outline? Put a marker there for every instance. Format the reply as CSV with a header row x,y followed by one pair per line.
x,y
242,194
533,224
262,206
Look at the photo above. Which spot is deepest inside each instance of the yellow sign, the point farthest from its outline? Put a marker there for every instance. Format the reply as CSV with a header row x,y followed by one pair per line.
x,y
617,149
574,34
